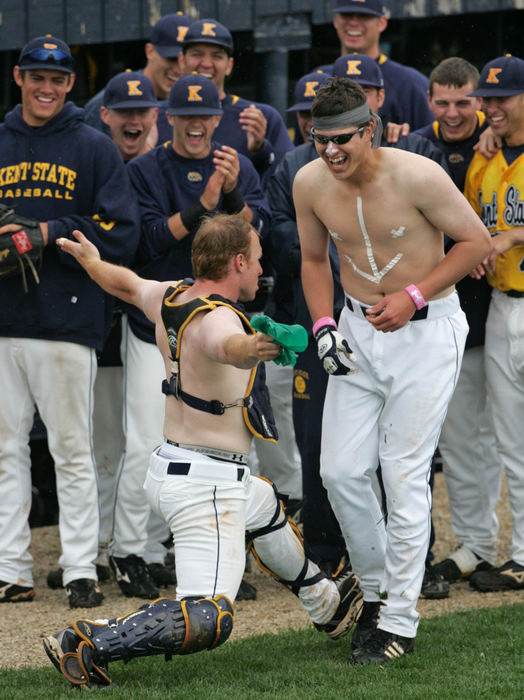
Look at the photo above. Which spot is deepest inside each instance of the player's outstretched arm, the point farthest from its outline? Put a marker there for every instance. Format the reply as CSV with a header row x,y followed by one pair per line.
x,y
115,279
222,338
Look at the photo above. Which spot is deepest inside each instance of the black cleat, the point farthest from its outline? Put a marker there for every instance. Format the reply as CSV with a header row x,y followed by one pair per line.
x,y
380,647
367,623
133,577
54,579
434,585
63,642
508,577
349,608
84,593
162,575
246,591
461,565
13,593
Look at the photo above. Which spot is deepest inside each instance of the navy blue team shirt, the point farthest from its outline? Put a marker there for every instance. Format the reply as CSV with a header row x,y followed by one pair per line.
x,y
166,183
474,294
73,177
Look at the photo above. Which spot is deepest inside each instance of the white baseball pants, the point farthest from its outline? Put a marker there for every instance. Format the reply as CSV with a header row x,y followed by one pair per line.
x,y
504,350
391,412
209,511
56,377
144,406
470,461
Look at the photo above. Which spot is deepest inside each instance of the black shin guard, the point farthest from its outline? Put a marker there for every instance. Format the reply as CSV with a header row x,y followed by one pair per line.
x,y
163,627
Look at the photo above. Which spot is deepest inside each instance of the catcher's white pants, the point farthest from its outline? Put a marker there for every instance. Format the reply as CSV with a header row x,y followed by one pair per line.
x,y
470,461
144,406
391,412
209,511
280,463
57,377
504,350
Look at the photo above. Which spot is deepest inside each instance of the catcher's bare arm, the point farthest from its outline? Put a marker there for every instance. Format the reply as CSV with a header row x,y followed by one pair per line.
x,y
115,279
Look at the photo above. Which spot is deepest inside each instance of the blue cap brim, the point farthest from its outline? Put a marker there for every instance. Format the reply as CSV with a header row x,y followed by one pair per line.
x,y
208,40
46,66
168,51
496,92
132,104
193,111
300,107
351,9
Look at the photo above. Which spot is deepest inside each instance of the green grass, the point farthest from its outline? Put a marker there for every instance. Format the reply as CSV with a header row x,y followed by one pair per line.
x,y
471,655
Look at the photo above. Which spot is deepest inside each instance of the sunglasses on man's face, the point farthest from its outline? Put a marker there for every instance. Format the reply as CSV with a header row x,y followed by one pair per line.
x,y
51,56
338,140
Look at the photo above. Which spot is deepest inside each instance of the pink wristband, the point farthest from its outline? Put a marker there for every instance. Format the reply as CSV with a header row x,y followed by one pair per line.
x,y
324,321
415,293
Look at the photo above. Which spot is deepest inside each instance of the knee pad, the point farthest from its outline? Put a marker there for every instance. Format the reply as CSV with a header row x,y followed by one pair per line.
x,y
162,627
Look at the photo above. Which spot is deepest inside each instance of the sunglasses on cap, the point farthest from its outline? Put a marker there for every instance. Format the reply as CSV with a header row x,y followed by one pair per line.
x,y
338,140
51,56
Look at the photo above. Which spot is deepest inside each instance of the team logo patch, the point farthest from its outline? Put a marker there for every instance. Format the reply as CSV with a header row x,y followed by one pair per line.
x,y
300,385
208,29
133,88
300,379
492,77
193,176
310,90
192,93
182,31
455,158
353,67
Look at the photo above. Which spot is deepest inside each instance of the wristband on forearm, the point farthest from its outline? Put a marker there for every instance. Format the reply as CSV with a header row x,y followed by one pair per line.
x,y
233,202
192,215
415,293
324,321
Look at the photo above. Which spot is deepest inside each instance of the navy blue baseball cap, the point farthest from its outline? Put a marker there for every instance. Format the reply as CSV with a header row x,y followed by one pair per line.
x,y
194,95
501,77
129,90
46,53
306,90
209,31
168,34
361,7
359,68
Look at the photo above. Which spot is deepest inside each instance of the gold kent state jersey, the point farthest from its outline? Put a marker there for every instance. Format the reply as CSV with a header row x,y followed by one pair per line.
x,y
494,191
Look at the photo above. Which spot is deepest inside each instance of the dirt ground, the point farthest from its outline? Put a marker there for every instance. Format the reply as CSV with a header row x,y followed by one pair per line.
x,y
23,625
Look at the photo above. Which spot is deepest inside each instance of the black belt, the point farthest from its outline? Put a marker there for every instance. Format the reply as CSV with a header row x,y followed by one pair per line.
x,y
182,469
514,293
419,314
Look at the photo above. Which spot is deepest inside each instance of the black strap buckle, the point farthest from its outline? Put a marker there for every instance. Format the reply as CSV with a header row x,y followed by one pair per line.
x,y
216,407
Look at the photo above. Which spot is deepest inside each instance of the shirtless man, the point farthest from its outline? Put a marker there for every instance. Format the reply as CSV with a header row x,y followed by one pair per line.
x,y
198,479
397,351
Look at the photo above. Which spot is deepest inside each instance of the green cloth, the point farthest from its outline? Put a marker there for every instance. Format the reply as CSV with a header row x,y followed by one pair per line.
x,y
292,339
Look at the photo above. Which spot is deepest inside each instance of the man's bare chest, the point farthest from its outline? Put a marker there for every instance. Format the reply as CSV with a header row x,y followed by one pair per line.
x,y
372,233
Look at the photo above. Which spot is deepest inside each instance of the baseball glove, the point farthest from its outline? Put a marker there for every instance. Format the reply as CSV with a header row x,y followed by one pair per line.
x,y
22,248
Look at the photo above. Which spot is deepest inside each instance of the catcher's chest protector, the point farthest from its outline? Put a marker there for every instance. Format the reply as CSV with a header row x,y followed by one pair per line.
x,y
256,407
